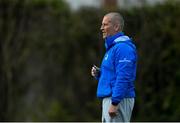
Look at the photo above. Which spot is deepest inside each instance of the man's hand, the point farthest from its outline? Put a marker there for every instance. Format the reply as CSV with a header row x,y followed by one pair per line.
x,y
113,110
95,71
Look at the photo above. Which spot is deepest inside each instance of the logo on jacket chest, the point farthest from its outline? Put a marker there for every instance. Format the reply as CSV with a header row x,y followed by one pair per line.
x,y
106,57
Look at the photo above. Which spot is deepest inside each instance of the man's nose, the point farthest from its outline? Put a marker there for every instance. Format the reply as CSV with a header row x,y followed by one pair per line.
x,y
101,28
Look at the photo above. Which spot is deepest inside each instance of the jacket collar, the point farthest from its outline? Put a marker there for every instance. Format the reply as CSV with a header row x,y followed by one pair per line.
x,y
111,40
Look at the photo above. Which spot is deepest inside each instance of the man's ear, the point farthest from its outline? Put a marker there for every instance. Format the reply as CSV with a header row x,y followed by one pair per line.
x,y
117,27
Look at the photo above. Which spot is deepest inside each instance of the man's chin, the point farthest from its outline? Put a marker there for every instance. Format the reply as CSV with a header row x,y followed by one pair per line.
x,y
104,36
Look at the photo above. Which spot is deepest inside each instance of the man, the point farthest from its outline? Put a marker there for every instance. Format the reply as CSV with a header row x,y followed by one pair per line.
x,y
117,73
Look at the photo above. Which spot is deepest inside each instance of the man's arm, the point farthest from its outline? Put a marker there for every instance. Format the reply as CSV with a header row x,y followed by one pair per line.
x,y
124,62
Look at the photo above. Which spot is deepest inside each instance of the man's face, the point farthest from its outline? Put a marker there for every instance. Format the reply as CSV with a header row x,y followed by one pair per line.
x,y
107,27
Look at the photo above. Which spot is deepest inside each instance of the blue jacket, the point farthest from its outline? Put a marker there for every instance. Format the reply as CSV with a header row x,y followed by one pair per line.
x,y
118,69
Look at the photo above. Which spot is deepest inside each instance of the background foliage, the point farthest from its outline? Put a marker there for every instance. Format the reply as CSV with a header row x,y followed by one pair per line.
x,y
47,50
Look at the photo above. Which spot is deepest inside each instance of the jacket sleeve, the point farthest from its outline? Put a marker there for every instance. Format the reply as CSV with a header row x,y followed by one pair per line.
x,y
124,61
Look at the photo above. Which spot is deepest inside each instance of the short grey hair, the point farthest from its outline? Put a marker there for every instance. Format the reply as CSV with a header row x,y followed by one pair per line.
x,y
116,18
